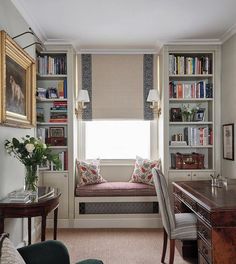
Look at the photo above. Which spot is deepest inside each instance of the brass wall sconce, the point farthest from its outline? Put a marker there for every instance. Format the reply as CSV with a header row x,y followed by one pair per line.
x,y
154,99
82,98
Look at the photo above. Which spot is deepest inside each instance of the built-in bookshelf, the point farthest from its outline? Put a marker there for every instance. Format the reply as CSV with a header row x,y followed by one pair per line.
x,y
52,108
189,127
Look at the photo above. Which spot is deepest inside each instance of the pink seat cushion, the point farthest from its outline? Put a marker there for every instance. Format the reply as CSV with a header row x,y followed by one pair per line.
x,y
115,189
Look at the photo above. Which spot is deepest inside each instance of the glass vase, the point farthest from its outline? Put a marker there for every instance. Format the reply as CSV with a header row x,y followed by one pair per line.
x,y
31,179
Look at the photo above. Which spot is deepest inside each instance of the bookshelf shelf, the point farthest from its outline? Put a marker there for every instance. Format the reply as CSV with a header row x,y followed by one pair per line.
x,y
58,147
45,100
52,124
191,147
191,100
52,76
191,75
191,123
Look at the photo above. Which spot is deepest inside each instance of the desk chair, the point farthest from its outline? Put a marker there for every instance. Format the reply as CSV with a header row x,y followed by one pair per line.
x,y
176,226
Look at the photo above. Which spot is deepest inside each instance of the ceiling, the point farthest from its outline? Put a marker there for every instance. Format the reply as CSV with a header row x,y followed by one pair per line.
x,y
126,25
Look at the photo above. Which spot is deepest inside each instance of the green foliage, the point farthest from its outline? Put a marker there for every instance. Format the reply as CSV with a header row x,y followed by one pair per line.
x,y
31,151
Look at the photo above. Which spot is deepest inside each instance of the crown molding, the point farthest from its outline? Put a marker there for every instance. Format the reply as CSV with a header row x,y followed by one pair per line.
x,y
228,34
194,42
29,19
117,51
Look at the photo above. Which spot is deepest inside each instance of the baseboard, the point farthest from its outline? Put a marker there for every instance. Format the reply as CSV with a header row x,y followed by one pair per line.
x,y
109,222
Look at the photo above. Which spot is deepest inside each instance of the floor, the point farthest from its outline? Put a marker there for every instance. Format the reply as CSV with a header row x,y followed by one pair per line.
x,y
115,246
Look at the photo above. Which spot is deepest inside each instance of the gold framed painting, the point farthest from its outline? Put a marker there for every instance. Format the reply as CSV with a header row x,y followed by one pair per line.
x,y
17,84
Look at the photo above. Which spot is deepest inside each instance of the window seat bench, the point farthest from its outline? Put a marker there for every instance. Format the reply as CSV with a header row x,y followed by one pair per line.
x,y
110,189
116,205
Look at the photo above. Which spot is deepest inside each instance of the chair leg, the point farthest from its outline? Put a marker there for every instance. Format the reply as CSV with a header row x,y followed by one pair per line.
x,y
164,246
172,251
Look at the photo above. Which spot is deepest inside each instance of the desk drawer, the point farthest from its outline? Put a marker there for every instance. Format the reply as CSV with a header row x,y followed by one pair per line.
x,y
203,213
204,249
204,231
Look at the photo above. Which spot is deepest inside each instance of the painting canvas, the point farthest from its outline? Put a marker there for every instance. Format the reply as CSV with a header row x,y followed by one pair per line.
x,y
17,84
228,141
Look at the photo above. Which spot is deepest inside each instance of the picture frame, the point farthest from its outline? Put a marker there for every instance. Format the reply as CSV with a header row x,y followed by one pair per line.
x,y
52,93
175,114
228,141
199,115
17,85
56,132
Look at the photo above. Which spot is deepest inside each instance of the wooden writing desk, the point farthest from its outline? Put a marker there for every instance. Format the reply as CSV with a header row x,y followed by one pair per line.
x,y
48,200
215,209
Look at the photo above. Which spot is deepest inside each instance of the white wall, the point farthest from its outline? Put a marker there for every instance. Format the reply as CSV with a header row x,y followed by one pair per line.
x,y
12,171
228,96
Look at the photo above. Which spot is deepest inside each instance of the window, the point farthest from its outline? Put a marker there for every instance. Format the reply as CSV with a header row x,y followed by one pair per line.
x,y
117,139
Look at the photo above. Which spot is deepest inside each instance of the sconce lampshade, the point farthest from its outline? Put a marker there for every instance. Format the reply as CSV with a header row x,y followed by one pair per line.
x,y
153,96
83,96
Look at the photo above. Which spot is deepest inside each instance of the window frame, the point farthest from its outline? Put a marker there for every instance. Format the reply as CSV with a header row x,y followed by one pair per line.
x,y
122,162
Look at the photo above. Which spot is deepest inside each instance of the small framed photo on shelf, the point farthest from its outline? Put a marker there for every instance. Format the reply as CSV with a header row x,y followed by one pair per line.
x,y
175,115
199,115
52,93
56,132
228,141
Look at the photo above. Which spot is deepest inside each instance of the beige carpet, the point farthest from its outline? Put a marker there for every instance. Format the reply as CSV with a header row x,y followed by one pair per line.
x,y
115,246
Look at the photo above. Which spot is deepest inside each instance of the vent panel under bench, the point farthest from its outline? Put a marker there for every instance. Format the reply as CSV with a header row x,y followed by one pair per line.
x,y
118,208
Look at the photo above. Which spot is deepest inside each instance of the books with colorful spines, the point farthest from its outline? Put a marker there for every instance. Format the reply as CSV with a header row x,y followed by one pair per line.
x,y
65,88
179,90
60,89
61,120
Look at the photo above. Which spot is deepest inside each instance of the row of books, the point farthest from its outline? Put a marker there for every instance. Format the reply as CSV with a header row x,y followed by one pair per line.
x,y
189,90
180,65
51,65
198,136
58,112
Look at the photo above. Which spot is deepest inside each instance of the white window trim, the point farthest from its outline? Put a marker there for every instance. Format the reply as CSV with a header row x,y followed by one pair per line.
x,y
122,162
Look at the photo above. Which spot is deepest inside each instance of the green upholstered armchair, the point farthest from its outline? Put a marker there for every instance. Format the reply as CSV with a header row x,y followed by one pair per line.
x,y
49,252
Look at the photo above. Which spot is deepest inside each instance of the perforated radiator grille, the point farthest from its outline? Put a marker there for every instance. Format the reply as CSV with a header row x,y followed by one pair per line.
x,y
119,208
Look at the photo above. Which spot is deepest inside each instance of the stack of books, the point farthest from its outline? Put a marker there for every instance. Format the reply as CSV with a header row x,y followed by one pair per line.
x,y
20,196
58,112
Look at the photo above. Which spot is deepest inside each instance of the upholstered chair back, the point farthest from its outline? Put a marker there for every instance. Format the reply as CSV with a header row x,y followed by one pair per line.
x,y
167,215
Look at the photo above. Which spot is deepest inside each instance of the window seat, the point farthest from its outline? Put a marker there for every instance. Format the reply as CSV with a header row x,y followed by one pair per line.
x,y
116,205
111,189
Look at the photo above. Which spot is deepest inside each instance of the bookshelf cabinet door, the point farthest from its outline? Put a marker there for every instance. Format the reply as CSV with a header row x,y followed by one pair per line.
x,y
201,175
58,180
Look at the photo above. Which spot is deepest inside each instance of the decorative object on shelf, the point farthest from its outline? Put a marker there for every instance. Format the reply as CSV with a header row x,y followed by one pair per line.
x,y
189,113
154,99
31,152
175,114
228,141
17,84
199,115
187,161
83,98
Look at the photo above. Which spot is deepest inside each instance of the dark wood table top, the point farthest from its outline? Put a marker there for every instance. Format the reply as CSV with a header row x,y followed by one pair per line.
x,y
212,198
45,194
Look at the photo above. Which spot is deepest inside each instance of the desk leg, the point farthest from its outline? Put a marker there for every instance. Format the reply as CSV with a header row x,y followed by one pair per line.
x,y
1,224
43,227
55,224
29,230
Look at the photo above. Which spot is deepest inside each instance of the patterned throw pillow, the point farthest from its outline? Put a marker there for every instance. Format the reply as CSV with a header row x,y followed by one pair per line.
x,y
89,172
143,170
8,253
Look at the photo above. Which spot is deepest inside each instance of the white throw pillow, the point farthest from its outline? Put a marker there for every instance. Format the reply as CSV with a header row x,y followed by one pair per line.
x,y
8,253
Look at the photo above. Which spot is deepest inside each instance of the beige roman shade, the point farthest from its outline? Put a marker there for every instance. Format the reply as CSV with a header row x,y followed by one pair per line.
x,y
118,85
117,82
